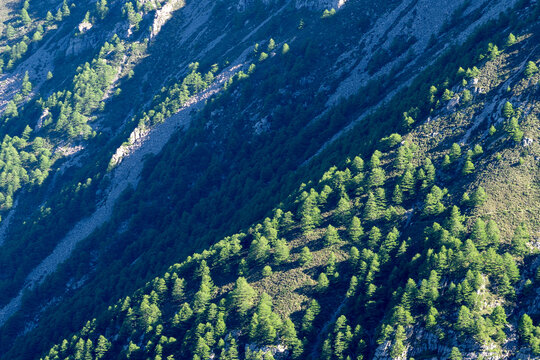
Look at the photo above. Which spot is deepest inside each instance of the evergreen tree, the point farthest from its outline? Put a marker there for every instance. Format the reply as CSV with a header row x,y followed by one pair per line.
x,y
242,296
454,223
371,209
479,235
465,320
259,250
374,237
525,328
305,256
455,354
343,210
355,229
478,197
508,110
178,289
468,167
493,234
520,239
281,252
455,152
331,236
510,40
322,283
311,313
407,183
530,69
433,205
398,348
267,271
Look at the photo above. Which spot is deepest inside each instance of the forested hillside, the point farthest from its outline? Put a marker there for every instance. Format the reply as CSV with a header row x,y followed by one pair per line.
x,y
321,180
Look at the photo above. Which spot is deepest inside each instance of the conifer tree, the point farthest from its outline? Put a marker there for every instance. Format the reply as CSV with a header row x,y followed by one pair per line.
x,y
242,296
455,354
530,69
407,183
398,348
322,283
525,328
311,313
259,250
468,167
331,236
455,152
343,209
281,252
520,239
355,229
371,209
479,235
374,237
433,205
454,223
305,256
493,234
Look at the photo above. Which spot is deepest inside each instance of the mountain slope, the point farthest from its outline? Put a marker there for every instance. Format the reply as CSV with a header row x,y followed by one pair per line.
x,y
237,157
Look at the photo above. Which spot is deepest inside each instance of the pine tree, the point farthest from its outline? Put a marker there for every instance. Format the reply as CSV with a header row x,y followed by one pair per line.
x,y
374,237
454,223
25,18
520,239
433,205
525,328
311,313
178,289
510,40
267,271
371,209
492,232
343,209
331,236
281,252
407,183
398,348
530,69
455,354
259,250
305,256
243,296
465,320
322,283
397,195
468,167
479,235
498,316
455,152
355,229
65,9
377,177
478,197
103,345
508,110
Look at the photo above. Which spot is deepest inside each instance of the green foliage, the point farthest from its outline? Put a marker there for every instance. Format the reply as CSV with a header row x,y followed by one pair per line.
x,y
530,69
305,256
242,296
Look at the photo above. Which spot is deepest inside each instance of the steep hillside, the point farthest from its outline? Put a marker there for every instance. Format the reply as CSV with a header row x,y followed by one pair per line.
x,y
417,252
234,105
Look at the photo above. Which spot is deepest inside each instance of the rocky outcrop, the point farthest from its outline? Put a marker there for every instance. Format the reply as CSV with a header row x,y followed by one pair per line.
x,y
318,5
164,14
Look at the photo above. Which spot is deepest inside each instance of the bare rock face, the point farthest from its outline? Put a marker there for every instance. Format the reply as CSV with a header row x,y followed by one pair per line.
x,y
320,4
84,26
317,5
164,14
